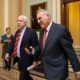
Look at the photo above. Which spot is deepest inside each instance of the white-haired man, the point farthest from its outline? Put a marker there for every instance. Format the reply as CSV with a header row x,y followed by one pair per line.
x,y
24,37
55,45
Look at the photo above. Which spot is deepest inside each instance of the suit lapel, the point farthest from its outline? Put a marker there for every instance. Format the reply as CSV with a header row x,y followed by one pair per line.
x,y
50,35
41,38
25,33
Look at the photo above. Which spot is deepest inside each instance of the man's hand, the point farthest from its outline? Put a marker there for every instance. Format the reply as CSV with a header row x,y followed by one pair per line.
x,y
30,52
27,51
36,63
78,75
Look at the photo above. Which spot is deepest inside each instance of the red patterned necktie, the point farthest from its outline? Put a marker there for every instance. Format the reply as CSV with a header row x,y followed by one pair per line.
x,y
16,44
44,38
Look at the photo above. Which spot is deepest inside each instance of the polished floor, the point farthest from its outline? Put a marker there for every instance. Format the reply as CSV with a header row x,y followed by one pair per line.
x,y
2,78
13,74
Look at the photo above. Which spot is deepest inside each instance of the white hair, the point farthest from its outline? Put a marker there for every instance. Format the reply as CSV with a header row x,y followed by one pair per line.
x,y
23,17
43,10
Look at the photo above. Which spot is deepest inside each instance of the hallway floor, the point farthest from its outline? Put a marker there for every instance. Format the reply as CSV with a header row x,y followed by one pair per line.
x,y
13,74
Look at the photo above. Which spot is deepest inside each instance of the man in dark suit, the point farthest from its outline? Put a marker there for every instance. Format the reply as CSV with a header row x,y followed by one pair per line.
x,y
24,37
55,45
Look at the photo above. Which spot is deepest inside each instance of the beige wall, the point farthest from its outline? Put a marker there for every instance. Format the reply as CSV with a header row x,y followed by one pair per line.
x,y
1,16
16,8
13,13
1,24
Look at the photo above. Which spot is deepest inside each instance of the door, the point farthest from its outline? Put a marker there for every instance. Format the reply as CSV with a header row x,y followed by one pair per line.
x,y
72,21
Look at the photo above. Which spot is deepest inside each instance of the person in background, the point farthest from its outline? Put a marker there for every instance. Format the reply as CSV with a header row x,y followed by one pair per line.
x,y
55,46
24,37
7,41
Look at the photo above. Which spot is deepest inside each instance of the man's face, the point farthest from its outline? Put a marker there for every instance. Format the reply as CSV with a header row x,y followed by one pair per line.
x,y
43,20
21,22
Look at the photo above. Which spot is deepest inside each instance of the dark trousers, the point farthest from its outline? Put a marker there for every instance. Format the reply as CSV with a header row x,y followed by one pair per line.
x,y
24,74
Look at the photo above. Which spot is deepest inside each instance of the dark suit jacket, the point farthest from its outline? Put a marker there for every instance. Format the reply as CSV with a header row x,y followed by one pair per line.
x,y
58,49
29,39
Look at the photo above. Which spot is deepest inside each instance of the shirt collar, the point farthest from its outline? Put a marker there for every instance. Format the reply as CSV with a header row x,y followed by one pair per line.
x,y
23,29
48,28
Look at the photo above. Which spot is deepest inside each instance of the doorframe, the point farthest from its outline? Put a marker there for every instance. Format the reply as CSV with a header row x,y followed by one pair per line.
x,y
64,11
69,1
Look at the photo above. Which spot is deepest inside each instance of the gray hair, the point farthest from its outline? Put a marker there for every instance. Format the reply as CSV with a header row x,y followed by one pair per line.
x,y
23,17
43,10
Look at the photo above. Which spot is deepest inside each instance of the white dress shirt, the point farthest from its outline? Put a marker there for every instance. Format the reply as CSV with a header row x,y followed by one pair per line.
x,y
19,44
48,28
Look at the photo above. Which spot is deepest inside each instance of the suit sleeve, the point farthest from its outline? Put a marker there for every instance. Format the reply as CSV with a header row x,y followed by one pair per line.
x,y
34,44
66,42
